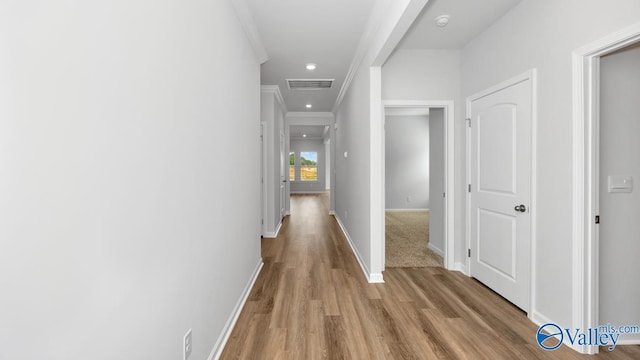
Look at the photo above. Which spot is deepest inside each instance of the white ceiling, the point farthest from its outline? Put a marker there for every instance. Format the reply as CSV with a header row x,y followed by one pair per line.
x,y
327,32
312,131
468,18
297,32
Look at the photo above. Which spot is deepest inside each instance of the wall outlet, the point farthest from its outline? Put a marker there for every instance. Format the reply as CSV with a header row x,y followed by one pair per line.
x,y
186,345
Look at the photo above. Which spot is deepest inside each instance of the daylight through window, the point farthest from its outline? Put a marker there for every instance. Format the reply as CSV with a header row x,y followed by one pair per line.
x,y
309,166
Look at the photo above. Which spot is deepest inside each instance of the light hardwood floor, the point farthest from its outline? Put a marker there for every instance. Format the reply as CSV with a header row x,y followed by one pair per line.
x,y
311,301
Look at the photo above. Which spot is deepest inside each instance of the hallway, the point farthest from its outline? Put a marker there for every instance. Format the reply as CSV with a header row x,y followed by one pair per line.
x,y
312,301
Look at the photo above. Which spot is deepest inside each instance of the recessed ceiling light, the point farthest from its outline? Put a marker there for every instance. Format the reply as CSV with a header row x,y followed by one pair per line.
x,y
308,106
304,135
442,20
311,66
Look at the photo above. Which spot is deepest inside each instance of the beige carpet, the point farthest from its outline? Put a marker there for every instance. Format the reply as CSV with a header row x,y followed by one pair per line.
x,y
407,236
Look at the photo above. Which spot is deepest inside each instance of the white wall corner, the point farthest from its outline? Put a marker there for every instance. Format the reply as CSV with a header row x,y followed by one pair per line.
x,y
436,250
251,30
274,234
216,352
275,90
373,24
371,277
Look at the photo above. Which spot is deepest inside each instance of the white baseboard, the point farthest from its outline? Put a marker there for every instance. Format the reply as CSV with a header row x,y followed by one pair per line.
x,y
332,212
371,277
458,266
435,250
307,192
538,318
628,341
216,352
274,234
405,210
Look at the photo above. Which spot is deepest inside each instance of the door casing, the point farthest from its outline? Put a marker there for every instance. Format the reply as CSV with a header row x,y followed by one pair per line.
x,y
586,124
449,228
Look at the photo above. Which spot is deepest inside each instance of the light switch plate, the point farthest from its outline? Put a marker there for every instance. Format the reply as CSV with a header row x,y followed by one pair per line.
x,y
620,184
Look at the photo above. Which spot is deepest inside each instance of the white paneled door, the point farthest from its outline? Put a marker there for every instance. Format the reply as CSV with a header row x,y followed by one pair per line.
x,y
500,196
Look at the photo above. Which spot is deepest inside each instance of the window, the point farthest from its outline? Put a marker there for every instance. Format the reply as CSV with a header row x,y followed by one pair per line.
x,y
292,166
309,166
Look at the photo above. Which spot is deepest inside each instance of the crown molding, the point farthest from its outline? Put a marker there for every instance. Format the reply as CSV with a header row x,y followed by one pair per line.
x,y
388,23
251,30
275,89
363,46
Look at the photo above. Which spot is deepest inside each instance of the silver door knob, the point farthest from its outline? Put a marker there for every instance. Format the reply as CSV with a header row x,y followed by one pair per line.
x,y
520,208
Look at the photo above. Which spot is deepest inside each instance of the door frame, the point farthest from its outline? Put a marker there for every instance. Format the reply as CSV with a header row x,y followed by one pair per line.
x,y
530,75
449,166
586,170
263,184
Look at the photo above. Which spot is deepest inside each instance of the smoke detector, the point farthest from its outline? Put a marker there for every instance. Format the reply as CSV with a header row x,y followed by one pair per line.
x,y
442,20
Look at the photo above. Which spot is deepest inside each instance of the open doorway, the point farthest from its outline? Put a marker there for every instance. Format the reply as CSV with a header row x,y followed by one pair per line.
x,y
606,88
414,172
309,161
416,203
618,201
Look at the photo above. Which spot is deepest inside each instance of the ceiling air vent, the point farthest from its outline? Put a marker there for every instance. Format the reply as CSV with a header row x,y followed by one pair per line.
x,y
309,84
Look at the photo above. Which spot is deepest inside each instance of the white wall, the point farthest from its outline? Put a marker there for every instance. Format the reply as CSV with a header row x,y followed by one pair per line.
x,y
301,145
542,34
358,111
352,191
117,231
434,75
407,162
436,182
619,212
272,114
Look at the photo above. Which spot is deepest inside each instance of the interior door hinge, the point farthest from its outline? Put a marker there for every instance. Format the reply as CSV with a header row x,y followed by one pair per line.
x,y
468,252
597,219
469,187
444,194
468,122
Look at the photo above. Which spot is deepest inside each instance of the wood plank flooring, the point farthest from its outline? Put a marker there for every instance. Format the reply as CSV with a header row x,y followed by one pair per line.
x,y
311,301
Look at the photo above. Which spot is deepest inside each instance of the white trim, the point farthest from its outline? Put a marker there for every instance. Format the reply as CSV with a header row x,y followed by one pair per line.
x,y
263,176
585,175
628,341
401,26
308,192
364,45
249,26
273,235
377,170
216,352
275,89
435,249
406,210
462,267
371,277
450,189
530,75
